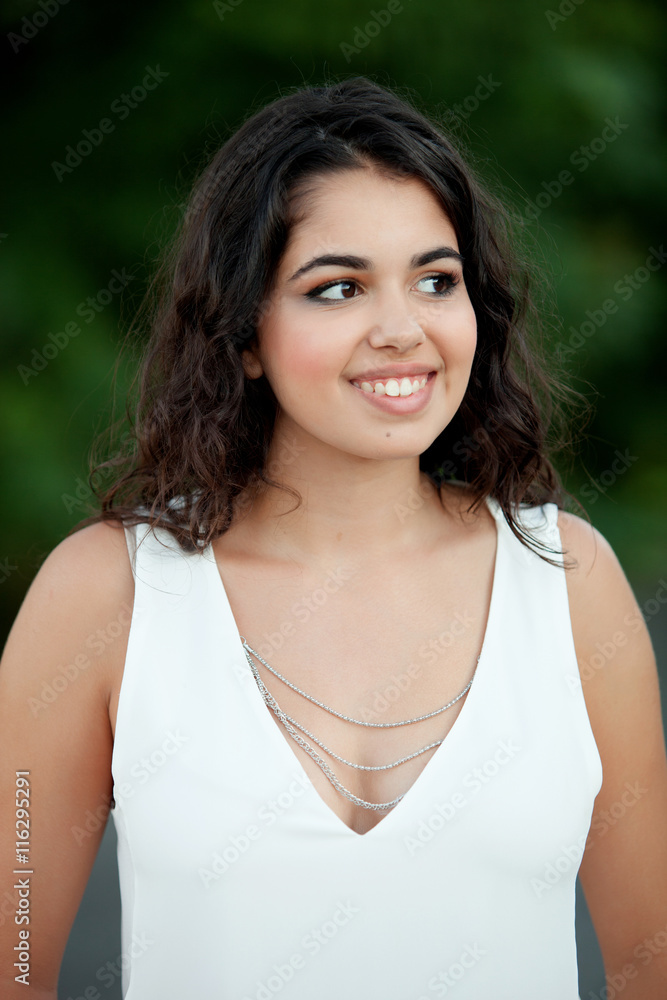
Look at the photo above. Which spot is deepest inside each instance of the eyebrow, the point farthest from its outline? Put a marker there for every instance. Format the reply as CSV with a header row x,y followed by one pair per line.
x,y
363,264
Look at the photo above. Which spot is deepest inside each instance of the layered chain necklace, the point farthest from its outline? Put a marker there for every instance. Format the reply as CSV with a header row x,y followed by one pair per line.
x,y
291,726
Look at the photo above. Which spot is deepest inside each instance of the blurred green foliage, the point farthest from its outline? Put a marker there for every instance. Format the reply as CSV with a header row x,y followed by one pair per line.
x,y
559,73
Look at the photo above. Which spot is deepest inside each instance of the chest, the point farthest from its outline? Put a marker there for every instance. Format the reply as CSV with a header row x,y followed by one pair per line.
x,y
374,646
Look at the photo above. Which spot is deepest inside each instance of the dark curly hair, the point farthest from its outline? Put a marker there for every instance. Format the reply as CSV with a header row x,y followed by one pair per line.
x,y
202,430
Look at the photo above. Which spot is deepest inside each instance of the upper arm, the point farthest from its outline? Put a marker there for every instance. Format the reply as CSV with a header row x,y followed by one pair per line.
x,y
624,868
55,681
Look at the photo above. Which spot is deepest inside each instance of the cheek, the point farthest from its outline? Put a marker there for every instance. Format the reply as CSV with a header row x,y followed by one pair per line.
x,y
460,336
297,357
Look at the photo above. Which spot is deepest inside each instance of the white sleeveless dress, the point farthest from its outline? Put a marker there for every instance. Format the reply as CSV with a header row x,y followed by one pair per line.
x,y
239,883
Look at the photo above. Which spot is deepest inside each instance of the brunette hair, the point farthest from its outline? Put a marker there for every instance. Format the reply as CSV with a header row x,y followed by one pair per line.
x,y
201,430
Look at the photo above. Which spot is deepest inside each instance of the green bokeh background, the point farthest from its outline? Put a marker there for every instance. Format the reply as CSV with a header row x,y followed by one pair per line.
x,y
558,82
559,72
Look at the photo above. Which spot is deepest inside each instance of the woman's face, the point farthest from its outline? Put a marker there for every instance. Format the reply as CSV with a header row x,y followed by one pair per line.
x,y
369,294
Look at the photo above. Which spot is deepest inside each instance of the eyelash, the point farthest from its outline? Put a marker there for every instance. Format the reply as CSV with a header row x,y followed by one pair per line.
x,y
451,278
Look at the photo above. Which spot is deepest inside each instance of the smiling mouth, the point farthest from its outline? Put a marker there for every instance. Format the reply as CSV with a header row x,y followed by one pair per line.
x,y
406,386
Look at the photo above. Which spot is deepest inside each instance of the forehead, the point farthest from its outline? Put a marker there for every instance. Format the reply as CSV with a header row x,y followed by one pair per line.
x,y
368,205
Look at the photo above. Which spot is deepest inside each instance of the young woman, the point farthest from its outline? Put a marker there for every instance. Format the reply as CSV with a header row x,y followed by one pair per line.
x,y
322,650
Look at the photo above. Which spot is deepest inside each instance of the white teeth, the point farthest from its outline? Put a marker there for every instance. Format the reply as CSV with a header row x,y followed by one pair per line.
x,y
392,387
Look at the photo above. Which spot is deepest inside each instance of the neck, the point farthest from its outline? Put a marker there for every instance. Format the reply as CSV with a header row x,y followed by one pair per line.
x,y
352,507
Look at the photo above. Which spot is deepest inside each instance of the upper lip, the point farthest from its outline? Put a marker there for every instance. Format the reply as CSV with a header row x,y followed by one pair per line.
x,y
398,372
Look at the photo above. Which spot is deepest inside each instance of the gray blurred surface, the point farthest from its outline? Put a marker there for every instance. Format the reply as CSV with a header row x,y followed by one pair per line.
x,y
95,937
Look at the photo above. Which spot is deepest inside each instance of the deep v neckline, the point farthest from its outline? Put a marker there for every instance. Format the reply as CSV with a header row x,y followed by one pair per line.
x,y
286,752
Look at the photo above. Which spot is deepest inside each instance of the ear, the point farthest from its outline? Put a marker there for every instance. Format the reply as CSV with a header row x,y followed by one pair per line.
x,y
251,364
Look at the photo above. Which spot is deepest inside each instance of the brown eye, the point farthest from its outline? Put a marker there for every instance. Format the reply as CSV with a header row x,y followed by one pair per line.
x,y
347,290
441,284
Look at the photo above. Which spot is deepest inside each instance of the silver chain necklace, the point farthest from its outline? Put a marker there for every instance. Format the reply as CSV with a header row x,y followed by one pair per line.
x,y
289,723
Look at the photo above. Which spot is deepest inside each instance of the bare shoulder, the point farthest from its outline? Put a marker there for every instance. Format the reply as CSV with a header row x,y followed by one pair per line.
x,y
81,558
607,623
601,599
585,544
83,586
94,560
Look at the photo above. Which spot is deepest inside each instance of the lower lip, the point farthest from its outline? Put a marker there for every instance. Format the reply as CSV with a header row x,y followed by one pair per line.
x,y
400,404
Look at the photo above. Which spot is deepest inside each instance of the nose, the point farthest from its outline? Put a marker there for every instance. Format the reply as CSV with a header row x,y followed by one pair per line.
x,y
395,322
